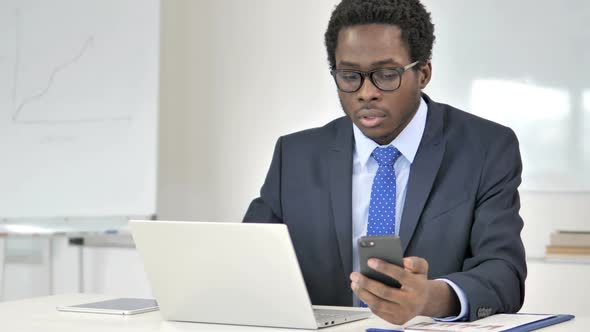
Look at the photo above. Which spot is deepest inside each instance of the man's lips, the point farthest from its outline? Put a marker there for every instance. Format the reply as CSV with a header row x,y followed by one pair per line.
x,y
371,117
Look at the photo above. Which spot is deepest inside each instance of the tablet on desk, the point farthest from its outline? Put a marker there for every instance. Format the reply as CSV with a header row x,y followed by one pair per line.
x,y
120,306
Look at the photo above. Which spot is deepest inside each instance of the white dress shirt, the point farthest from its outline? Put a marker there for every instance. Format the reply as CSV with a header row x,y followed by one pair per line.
x,y
364,168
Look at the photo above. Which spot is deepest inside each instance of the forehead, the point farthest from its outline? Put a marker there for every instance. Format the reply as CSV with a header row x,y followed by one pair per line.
x,y
369,43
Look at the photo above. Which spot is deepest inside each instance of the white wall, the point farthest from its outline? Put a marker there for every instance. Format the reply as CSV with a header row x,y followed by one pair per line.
x,y
235,76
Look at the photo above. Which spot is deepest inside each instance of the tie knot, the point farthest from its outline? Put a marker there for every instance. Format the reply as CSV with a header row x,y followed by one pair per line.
x,y
385,156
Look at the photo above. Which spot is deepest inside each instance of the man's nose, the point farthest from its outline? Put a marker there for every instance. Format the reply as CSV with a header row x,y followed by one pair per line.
x,y
368,91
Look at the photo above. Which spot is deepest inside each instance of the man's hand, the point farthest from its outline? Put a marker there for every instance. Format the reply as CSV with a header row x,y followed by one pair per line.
x,y
418,296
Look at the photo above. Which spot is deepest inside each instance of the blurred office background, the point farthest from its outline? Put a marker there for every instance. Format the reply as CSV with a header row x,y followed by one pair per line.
x,y
234,75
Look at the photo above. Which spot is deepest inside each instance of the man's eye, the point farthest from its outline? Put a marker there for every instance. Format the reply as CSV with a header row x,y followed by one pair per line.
x,y
350,77
387,75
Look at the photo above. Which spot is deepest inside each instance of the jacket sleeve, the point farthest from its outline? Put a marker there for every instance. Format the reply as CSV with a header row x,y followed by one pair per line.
x,y
267,207
494,271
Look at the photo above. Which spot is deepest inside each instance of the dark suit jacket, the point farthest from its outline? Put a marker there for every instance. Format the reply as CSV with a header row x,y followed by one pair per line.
x,y
461,211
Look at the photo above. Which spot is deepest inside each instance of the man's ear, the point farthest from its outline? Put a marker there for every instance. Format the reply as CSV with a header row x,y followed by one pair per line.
x,y
425,74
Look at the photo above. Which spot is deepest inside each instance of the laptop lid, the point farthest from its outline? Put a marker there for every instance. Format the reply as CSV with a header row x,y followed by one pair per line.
x,y
229,273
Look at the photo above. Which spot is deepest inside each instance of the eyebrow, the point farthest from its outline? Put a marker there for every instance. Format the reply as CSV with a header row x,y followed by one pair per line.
x,y
373,65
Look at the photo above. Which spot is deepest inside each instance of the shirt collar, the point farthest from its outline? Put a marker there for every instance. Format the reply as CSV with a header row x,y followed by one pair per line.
x,y
406,142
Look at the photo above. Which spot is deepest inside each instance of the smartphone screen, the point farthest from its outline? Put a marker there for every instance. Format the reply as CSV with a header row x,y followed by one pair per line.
x,y
385,247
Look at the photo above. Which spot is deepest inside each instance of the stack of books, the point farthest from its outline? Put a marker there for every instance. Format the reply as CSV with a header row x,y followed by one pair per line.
x,y
569,245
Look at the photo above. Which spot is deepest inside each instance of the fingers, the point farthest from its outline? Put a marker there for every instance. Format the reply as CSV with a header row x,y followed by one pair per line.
x,y
374,302
417,265
380,299
394,271
412,266
374,289
392,304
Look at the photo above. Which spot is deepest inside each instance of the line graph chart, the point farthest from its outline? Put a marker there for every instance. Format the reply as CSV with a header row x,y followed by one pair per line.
x,y
24,110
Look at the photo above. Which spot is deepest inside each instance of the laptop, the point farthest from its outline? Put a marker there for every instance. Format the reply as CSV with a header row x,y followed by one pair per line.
x,y
230,273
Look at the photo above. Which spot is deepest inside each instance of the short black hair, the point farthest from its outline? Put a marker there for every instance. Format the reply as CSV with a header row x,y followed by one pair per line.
x,y
409,15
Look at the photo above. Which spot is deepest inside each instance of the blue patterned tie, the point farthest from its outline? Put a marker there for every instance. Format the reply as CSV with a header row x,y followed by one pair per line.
x,y
382,206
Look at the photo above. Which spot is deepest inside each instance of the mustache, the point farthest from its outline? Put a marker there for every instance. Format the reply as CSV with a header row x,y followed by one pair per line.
x,y
370,112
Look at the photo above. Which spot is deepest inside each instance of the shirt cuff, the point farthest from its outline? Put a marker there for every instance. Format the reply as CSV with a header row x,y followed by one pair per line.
x,y
462,299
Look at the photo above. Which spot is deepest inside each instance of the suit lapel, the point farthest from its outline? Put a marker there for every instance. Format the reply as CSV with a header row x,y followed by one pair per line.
x,y
423,171
340,170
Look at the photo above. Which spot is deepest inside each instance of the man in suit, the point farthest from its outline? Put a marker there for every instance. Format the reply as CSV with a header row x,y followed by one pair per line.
x,y
445,181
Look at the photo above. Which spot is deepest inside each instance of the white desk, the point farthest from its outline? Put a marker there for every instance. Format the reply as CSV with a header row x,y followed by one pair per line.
x,y
49,228
39,314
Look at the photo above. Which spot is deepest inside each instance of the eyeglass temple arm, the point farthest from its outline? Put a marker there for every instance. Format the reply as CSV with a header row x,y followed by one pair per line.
x,y
406,67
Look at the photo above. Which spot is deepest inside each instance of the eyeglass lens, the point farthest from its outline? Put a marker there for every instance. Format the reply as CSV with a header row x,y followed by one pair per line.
x,y
384,79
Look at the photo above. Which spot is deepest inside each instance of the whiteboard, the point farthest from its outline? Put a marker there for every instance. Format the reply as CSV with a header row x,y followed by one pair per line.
x,y
524,64
78,107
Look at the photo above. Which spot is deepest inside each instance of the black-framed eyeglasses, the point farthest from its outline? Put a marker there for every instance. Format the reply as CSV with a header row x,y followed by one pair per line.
x,y
385,79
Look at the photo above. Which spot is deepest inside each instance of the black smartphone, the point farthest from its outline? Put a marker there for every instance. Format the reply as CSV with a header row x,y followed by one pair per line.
x,y
385,247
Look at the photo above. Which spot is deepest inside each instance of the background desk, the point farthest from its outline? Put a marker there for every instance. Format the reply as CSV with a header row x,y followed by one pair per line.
x,y
39,314
53,233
